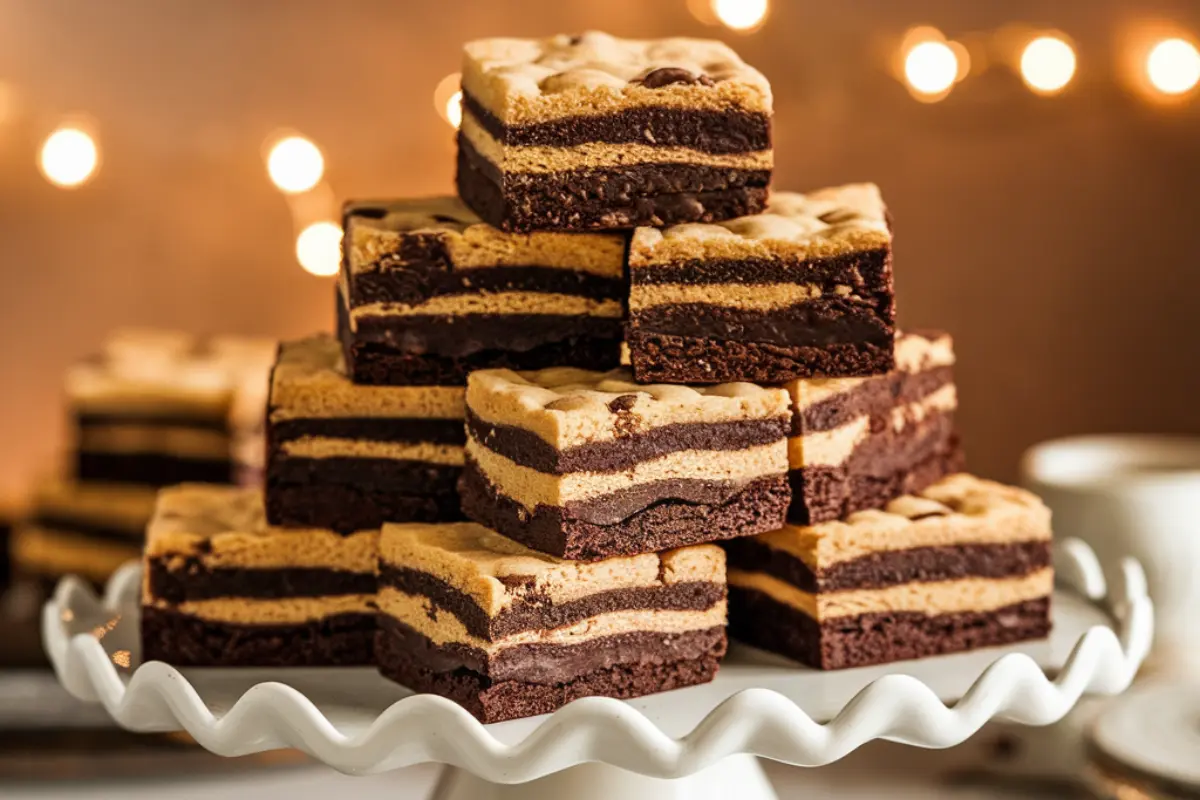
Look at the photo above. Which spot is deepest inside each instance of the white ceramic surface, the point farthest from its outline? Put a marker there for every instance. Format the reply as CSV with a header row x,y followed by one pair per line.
x,y
1134,496
761,705
1155,731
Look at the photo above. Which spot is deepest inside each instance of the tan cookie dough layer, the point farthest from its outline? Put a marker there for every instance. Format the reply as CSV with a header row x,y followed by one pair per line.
x,y
958,510
42,551
531,488
478,562
742,296
598,155
524,81
834,447
280,611
310,380
494,303
325,447
269,548
113,505
978,595
795,226
568,407
442,628
472,244
161,439
914,353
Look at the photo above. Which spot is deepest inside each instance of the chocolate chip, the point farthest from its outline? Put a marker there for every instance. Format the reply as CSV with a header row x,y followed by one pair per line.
x,y
576,39
370,212
927,515
444,218
839,216
622,403
665,76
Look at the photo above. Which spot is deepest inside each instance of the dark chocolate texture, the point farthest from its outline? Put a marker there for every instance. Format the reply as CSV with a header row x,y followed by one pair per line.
x,y
410,284
348,508
376,429
877,395
658,524
179,579
91,529
707,131
148,418
616,198
533,612
151,469
668,358
530,450
814,323
182,640
864,271
877,638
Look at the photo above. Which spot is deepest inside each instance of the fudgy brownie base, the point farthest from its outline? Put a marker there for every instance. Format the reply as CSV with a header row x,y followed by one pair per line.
x,y
346,508
667,358
151,469
607,199
405,660
756,619
760,507
181,640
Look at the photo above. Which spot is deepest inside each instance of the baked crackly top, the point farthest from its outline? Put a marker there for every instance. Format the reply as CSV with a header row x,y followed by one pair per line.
x,y
526,81
959,509
309,380
497,572
388,234
795,225
568,407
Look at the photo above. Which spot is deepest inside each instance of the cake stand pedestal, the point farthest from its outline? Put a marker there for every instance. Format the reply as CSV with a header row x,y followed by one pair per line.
x,y
699,742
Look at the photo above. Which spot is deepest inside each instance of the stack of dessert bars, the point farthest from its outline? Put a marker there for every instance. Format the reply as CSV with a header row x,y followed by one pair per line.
x,y
465,488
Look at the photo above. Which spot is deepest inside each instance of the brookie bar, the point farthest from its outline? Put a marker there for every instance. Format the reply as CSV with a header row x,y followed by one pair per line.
x,y
349,457
857,443
428,292
591,132
963,564
507,632
588,465
221,588
801,290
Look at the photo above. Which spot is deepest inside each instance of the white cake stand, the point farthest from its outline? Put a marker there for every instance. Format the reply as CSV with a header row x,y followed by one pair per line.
x,y
696,743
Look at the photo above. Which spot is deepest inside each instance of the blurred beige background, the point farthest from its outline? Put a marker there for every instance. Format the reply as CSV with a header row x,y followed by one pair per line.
x,y
1057,238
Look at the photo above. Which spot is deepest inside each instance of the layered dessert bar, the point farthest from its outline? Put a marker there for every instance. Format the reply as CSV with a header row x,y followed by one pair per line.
x,y
802,290
428,292
588,465
507,632
222,588
349,457
963,564
84,529
857,443
590,132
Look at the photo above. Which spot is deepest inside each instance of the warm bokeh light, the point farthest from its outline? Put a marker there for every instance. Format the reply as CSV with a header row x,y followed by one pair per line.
x,y
319,248
1047,64
295,164
447,99
740,15
931,68
1173,66
69,157
454,109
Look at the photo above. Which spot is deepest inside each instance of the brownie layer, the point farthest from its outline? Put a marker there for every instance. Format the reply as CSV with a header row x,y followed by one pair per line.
x,y
409,659
606,199
814,323
860,270
530,450
892,567
150,418
152,469
534,612
704,130
669,358
410,283
183,640
346,508
179,579
92,529
883,392
376,429
744,510
877,638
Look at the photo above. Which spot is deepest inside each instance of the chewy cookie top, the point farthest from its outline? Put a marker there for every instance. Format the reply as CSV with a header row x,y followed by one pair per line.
x,y
568,407
496,571
226,526
524,81
959,509
309,380
820,224
387,234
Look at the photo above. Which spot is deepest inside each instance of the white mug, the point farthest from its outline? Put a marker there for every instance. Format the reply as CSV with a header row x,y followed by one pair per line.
x,y
1131,495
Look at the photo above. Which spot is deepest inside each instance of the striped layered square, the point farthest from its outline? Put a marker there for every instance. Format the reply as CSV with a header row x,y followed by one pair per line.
x,y
428,292
348,457
591,132
802,290
857,443
222,588
588,465
963,564
507,632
